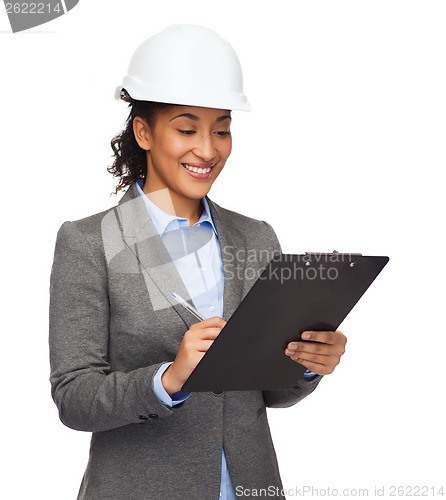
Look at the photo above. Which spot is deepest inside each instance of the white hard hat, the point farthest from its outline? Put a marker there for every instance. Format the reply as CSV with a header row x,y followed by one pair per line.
x,y
186,64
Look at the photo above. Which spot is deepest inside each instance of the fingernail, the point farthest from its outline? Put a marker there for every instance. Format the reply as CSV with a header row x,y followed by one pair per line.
x,y
306,335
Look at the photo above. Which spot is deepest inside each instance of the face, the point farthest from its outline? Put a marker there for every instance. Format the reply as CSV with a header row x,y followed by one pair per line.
x,y
186,149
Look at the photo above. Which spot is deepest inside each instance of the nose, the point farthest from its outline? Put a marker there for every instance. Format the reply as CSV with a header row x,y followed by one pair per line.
x,y
205,148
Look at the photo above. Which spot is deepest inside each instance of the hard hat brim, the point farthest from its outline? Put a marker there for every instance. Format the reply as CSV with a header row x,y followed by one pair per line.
x,y
237,102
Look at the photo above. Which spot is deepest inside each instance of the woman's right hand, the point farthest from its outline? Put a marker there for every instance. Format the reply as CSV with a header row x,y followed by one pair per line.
x,y
195,343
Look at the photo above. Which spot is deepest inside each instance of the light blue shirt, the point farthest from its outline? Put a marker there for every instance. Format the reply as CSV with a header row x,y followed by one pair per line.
x,y
196,253
197,257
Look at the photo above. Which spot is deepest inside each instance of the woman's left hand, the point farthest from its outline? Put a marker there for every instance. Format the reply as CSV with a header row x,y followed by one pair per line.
x,y
320,352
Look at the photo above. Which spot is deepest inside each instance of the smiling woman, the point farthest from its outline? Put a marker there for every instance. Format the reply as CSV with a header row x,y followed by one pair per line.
x,y
185,153
121,347
162,142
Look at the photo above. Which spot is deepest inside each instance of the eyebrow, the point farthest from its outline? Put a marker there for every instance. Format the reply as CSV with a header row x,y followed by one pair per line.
x,y
196,118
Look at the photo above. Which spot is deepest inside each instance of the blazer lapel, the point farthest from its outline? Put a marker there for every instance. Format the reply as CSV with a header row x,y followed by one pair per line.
x,y
159,270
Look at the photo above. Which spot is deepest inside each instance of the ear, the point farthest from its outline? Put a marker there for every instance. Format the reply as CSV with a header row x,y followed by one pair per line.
x,y
142,133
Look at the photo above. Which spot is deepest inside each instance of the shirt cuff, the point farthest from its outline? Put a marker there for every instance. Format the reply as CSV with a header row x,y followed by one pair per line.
x,y
309,375
173,399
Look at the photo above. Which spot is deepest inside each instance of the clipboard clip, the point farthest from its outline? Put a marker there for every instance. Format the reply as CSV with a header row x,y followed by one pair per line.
x,y
332,255
335,252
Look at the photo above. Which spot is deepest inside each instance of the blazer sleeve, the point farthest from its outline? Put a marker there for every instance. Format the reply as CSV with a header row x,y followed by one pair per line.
x,y
89,396
288,397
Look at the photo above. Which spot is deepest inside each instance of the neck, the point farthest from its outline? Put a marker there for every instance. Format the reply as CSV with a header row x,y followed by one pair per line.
x,y
173,204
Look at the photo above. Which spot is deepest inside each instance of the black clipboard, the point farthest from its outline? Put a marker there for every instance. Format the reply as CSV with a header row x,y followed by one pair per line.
x,y
294,293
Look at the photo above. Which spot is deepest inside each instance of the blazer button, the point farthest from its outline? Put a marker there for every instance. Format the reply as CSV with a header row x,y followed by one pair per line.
x,y
146,417
217,393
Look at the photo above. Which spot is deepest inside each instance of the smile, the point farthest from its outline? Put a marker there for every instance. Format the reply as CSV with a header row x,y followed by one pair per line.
x,y
197,170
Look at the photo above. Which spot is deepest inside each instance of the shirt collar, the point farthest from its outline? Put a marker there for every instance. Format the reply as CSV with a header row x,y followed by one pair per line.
x,y
161,220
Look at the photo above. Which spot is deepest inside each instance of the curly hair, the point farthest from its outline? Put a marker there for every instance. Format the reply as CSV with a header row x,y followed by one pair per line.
x,y
130,161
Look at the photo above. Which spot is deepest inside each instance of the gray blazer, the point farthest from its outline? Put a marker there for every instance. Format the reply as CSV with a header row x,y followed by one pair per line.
x,y
113,323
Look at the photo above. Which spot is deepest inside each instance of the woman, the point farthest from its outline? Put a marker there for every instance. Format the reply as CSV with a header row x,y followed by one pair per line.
x,y
121,347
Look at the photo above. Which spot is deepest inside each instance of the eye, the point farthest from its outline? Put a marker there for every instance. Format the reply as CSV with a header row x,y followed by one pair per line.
x,y
187,132
223,134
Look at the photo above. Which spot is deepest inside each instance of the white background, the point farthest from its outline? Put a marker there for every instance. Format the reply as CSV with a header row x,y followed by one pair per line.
x,y
344,149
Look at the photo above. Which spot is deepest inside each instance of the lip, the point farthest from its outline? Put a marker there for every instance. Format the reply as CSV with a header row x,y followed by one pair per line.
x,y
200,165
196,175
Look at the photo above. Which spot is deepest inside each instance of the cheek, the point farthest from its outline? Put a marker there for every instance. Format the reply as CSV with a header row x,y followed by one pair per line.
x,y
174,148
225,149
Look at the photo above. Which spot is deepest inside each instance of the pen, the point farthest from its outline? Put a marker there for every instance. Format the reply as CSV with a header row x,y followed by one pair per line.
x,y
188,306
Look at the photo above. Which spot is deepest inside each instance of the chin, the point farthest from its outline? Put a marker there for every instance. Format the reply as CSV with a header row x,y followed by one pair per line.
x,y
197,194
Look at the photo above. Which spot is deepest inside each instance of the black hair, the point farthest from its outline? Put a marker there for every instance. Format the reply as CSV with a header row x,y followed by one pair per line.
x,y
130,161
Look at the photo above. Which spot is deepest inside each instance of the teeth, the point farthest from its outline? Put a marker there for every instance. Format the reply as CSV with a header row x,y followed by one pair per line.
x,y
197,170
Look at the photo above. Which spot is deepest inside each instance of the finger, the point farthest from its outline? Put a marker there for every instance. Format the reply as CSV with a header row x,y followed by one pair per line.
x,y
197,344
316,367
325,337
209,333
310,347
214,321
192,338
299,348
314,358
204,345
